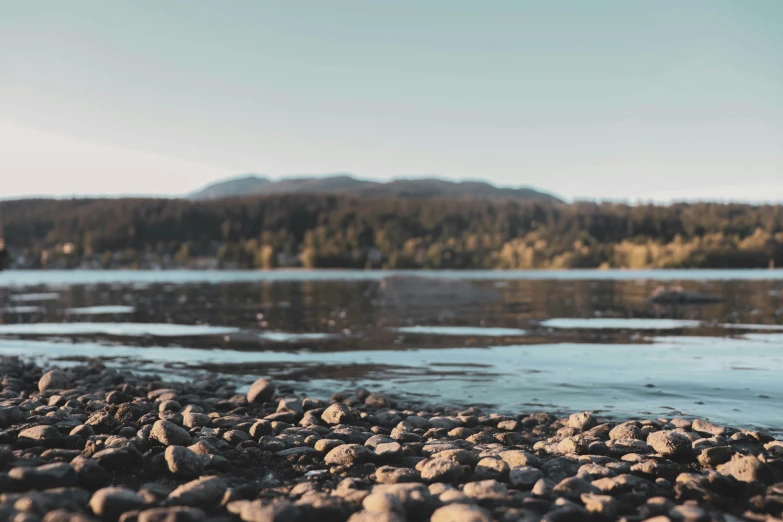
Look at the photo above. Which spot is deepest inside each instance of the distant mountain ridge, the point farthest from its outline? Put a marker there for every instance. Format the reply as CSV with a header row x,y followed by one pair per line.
x,y
346,184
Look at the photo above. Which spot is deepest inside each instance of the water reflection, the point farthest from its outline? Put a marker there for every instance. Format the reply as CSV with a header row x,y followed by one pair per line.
x,y
544,343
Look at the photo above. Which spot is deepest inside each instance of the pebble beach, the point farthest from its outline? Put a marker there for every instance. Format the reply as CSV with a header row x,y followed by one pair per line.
x,y
90,442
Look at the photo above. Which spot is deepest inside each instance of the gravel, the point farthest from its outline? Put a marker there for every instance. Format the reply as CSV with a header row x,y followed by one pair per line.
x,y
90,442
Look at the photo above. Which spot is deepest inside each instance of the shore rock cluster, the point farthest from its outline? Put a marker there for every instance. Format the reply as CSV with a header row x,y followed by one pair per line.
x,y
95,443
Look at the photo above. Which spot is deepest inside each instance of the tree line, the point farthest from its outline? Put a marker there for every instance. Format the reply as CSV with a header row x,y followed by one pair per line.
x,y
329,231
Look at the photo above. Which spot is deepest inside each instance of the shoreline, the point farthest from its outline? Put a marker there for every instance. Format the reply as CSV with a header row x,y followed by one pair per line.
x,y
90,442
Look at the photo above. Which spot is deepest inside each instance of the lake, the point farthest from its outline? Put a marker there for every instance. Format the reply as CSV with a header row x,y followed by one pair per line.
x,y
524,340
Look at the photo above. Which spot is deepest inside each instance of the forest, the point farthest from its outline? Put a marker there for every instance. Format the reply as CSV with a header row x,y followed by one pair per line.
x,y
331,231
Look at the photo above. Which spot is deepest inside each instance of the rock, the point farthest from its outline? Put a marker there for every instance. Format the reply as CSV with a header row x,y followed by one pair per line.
x,y
566,513
388,450
383,503
443,470
183,462
491,468
374,516
671,444
300,451
43,433
689,514
445,423
348,455
524,477
626,430
116,458
290,406
110,503
168,434
276,511
460,456
711,457
707,428
53,380
9,415
573,487
485,490
89,473
172,514
775,448
195,420
82,431
390,475
337,414
461,513
747,469
602,506
102,422
518,458
261,391
205,493
48,476
327,445
582,421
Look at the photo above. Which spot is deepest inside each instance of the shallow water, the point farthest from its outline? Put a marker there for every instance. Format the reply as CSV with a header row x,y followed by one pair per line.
x,y
576,340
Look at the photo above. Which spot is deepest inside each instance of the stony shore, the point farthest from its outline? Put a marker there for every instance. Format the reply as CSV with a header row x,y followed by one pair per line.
x,y
94,443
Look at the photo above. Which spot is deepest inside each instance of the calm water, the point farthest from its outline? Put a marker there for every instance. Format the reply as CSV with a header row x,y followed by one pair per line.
x,y
554,340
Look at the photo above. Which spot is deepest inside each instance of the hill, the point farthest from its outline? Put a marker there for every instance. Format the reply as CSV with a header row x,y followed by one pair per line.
x,y
345,184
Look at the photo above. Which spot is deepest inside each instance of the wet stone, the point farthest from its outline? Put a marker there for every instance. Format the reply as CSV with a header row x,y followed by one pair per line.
x,y
182,461
671,444
43,433
747,469
261,391
172,514
524,477
707,428
443,470
110,503
53,380
461,513
55,475
168,433
348,455
392,475
337,414
276,511
582,421
205,492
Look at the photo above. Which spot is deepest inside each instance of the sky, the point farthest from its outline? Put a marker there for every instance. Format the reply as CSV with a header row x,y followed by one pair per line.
x,y
607,99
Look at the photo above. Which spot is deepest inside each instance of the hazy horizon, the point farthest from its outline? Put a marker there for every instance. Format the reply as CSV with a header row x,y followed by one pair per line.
x,y
618,101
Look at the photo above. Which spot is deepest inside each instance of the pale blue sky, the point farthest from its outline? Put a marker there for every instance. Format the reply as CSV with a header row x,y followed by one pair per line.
x,y
595,99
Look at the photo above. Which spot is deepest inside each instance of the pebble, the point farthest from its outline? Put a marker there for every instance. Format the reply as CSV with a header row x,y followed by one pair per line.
x,y
348,455
261,391
53,380
443,470
181,461
337,414
671,444
110,503
524,477
204,492
171,514
168,433
461,513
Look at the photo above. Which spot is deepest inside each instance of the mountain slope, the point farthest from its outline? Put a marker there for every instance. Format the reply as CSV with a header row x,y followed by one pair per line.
x,y
346,184
250,184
